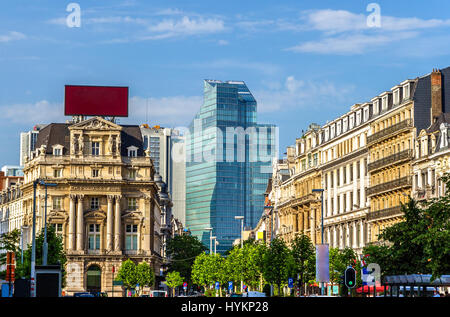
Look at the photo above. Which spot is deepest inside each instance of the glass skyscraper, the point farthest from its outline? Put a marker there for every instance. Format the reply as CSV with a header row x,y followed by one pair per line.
x,y
228,163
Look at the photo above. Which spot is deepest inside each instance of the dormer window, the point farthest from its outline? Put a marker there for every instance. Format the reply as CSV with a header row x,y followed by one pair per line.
x,y
58,150
376,106
384,102
396,96
132,151
406,92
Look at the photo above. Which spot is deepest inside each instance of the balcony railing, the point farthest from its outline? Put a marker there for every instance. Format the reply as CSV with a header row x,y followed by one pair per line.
x,y
401,182
397,157
385,213
298,201
389,130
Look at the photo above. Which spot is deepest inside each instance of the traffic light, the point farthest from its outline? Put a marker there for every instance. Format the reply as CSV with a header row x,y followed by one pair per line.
x,y
350,277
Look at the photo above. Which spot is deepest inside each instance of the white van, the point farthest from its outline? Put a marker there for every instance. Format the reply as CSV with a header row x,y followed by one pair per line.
x,y
254,294
158,294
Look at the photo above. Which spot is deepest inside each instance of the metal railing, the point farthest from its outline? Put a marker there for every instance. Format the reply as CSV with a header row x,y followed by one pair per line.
x,y
385,213
406,154
389,130
401,182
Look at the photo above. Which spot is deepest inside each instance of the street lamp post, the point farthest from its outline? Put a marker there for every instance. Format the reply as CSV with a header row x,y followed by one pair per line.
x,y
320,190
45,244
241,218
33,245
210,238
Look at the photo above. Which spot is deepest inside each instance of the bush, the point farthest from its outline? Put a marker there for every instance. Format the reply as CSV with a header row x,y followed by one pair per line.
x,y
210,293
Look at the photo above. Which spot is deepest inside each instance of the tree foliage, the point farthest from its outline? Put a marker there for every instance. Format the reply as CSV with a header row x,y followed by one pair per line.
x,y
420,243
278,263
304,259
174,280
182,251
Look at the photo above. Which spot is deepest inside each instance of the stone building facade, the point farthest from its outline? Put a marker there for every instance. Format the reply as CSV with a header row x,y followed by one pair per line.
x,y
365,162
105,203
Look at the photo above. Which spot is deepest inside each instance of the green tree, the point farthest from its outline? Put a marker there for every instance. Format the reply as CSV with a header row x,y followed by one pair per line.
x,y
182,251
9,242
145,276
303,254
55,255
339,261
174,280
208,269
127,274
276,263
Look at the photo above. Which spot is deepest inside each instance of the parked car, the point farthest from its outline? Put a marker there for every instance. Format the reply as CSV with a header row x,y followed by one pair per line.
x,y
254,294
158,294
100,294
236,295
83,294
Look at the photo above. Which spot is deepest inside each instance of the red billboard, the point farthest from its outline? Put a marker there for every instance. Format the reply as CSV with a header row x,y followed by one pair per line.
x,y
96,101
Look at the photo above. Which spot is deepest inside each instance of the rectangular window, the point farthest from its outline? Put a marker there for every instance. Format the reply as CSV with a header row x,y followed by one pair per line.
x,y
57,152
132,203
351,172
95,173
57,173
95,203
58,227
131,237
57,203
94,237
95,150
132,174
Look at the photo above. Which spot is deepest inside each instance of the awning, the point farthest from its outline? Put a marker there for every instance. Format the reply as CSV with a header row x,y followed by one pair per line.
x,y
369,289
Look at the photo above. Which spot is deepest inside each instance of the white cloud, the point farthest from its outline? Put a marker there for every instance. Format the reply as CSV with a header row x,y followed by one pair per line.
x,y
12,36
295,93
32,113
168,111
187,26
348,33
350,44
223,42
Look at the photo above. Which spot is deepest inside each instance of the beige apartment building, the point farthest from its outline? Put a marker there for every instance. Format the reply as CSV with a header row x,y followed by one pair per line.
x,y
368,162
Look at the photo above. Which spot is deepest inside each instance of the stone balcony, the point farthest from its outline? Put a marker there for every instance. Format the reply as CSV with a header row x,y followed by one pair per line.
x,y
391,159
385,213
388,186
405,124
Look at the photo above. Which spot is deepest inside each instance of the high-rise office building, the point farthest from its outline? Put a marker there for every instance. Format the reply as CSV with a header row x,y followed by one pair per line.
x,y
228,163
28,142
160,141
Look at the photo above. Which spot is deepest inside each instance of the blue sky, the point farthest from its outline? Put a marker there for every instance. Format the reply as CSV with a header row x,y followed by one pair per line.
x,y
304,61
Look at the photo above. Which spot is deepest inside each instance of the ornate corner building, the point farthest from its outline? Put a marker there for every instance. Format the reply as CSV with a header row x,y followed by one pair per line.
x,y
105,203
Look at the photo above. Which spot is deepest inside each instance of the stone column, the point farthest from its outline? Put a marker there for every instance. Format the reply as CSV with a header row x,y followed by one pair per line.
x,y
72,219
363,184
312,226
329,207
347,235
117,224
354,225
335,191
80,223
361,234
335,238
109,223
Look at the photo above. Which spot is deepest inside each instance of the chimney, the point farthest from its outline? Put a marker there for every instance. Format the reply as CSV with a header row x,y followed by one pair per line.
x,y
436,95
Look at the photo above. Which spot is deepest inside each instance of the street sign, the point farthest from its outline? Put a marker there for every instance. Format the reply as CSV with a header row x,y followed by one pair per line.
x,y
185,286
217,285
230,286
117,283
290,282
